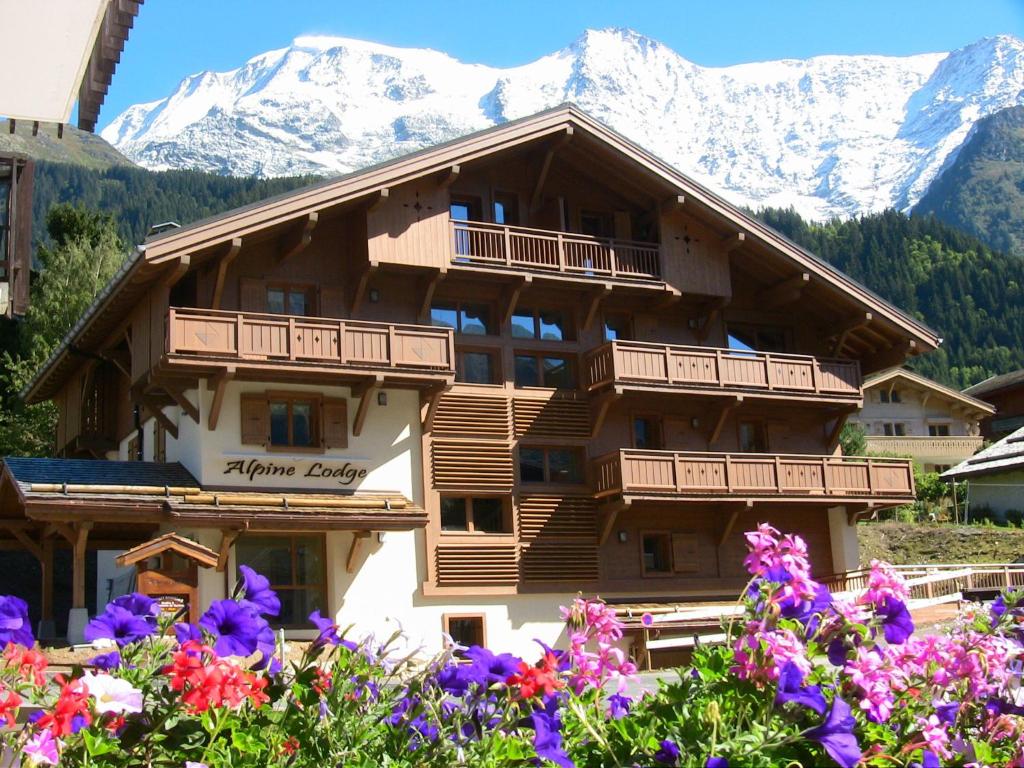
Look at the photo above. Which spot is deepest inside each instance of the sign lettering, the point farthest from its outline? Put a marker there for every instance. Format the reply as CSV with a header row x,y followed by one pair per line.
x,y
256,471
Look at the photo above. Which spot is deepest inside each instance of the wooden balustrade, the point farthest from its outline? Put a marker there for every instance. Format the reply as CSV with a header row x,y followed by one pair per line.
x,y
280,338
954,448
683,473
478,242
712,368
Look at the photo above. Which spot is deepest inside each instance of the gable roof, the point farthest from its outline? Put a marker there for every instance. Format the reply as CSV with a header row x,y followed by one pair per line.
x,y
877,380
1004,456
172,542
157,252
997,383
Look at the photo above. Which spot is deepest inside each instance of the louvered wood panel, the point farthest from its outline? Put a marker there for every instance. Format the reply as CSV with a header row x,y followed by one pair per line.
x,y
555,417
555,560
556,516
476,564
465,415
472,465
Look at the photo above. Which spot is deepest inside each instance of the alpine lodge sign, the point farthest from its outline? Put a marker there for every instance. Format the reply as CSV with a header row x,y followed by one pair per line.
x,y
296,472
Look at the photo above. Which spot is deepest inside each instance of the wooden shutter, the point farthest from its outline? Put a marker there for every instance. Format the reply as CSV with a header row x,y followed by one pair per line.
x,y
335,423
684,553
255,420
332,301
252,295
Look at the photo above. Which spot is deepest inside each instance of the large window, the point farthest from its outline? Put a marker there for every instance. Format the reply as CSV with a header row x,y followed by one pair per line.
x,y
749,338
648,433
296,570
938,430
894,429
753,437
474,366
290,300
294,421
465,629
890,396
475,514
617,327
543,324
535,369
463,317
551,465
300,421
506,209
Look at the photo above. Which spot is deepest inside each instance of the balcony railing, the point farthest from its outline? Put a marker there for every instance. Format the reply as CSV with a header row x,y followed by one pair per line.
x,y
720,369
349,343
477,242
681,473
920,447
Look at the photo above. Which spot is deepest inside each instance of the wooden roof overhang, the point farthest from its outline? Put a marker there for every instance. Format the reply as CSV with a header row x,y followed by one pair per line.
x,y
874,327
170,542
887,379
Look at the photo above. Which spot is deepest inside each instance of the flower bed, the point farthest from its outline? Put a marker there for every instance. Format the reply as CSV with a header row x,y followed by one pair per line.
x,y
807,678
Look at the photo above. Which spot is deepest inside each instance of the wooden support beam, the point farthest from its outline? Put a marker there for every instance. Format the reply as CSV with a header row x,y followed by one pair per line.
x,y
731,242
599,411
784,292
64,529
429,400
227,539
832,438
713,310
731,522
159,415
594,304
218,384
673,203
176,271
723,414
358,538
545,168
378,198
607,522
297,242
78,548
364,392
846,328
46,587
430,283
511,297
361,285
33,547
448,178
181,399
222,270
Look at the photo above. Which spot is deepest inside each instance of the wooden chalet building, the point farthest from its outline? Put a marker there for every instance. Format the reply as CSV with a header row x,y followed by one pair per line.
x,y
457,388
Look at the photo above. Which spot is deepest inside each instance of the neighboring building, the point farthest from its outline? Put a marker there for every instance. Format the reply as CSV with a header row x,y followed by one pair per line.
x,y
995,478
1006,393
905,414
16,180
457,388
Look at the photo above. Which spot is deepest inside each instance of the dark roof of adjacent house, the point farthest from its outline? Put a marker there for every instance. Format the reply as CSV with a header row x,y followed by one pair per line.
x,y
96,472
1004,456
996,383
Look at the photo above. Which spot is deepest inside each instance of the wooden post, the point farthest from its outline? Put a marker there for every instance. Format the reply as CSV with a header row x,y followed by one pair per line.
x,y
46,563
78,564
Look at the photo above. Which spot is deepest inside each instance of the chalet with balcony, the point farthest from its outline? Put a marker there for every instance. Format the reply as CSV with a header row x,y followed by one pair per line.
x,y
457,388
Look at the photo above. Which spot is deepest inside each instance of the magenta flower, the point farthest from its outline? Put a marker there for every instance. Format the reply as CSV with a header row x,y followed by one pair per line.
x,y
41,749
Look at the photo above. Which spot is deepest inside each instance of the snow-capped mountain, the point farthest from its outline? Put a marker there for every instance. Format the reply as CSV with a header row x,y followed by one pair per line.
x,y
830,135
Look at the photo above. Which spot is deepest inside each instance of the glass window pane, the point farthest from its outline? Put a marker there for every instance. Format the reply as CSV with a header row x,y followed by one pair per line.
x,y
444,316
309,560
279,423
522,325
270,556
302,424
475,319
565,466
558,372
275,301
453,514
297,604
476,368
467,631
488,515
617,328
752,437
647,434
553,326
656,555
527,371
297,303
531,465
459,211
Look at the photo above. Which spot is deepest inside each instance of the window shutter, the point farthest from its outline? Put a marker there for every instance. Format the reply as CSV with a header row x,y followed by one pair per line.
x,y
253,295
332,301
335,423
255,420
684,553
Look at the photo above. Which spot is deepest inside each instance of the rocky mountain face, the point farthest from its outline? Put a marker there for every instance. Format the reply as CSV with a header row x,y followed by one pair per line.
x,y
830,135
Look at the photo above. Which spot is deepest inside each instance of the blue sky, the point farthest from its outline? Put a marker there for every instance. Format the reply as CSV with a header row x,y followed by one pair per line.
x,y
175,38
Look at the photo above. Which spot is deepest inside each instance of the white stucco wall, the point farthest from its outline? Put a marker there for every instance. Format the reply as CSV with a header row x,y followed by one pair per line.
x,y
843,537
1001,493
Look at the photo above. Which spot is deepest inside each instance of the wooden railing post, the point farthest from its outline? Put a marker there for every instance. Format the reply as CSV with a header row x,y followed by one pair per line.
x,y
239,333
728,473
612,258
816,375
391,346
718,368
172,345
778,474
508,245
769,380
826,486
341,341
668,365
560,245
291,338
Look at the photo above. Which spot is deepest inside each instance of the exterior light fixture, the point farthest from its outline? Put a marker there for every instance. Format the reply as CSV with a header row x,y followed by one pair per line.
x,y
382,398
374,295
695,422
623,537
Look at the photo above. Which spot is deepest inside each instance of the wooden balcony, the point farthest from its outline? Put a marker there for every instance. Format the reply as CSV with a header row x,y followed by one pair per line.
x,y
200,337
683,475
714,371
520,248
932,450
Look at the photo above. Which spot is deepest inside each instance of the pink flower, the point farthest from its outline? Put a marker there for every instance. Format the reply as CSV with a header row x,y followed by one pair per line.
x,y
873,676
760,653
42,749
884,583
935,736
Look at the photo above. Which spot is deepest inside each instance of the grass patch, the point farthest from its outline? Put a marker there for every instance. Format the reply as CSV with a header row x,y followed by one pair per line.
x,y
911,543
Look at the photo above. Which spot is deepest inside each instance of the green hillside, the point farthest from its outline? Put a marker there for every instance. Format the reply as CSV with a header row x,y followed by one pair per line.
x,y
982,192
76,147
971,295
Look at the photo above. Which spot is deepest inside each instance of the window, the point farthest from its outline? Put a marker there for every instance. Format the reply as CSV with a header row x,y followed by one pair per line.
x,y
753,437
746,338
474,514
546,325
293,422
938,430
465,209
475,367
506,209
656,553
597,224
617,327
647,433
890,396
295,566
465,630
465,318
551,465
535,369
290,300
894,429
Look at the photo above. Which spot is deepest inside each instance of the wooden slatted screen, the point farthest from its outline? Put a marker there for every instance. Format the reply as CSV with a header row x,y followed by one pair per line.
x,y
465,415
556,516
559,538
335,415
685,557
556,417
255,419
558,561
476,565
471,465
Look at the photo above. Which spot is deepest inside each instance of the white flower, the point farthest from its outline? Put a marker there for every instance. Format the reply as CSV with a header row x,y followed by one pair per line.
x,y
112,694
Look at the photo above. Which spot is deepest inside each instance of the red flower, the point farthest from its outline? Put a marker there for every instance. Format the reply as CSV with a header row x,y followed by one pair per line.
x,y
541,678
9,704
323,682
71,710
213,682
290,746
30,663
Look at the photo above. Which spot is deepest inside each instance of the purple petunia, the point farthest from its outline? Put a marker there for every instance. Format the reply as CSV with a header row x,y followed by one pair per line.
x,y
791,688
488,668
138,604
547,735
897,625
15,626
716,762
928,760
668,754
328,632
107,661
236,627
835,734
258,594
618,706
120,625
185,632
